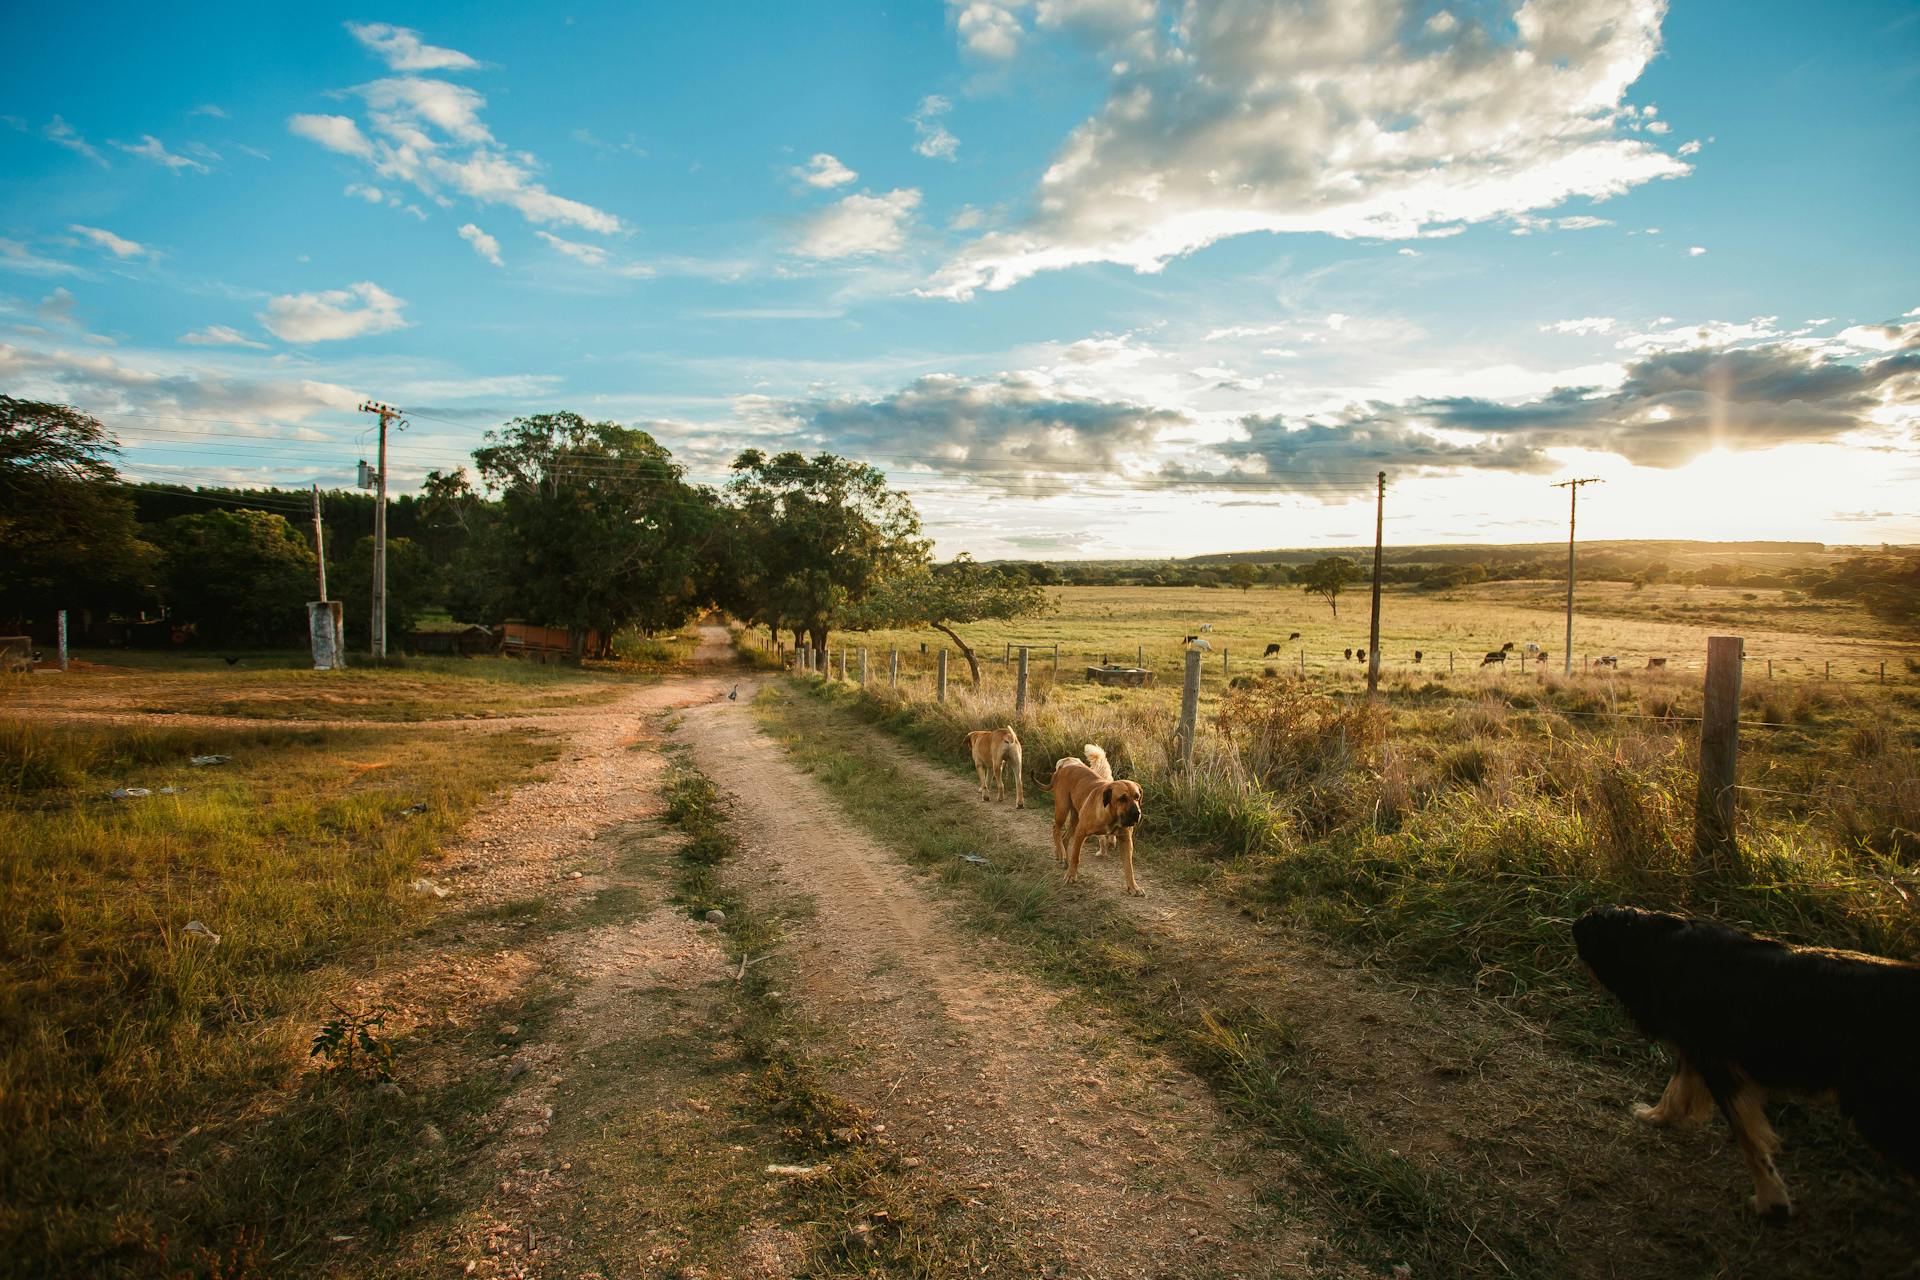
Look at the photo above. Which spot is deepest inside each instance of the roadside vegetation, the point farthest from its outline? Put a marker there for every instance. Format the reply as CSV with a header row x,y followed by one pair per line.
x,y
156,1101
1479,918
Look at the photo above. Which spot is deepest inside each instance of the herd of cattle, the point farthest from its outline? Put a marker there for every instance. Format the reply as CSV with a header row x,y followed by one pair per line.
x,y
1494,657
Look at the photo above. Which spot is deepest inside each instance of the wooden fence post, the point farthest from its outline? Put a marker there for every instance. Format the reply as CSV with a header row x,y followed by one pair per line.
x,y
940,680
1303,662
1007,657
1224,669
1056,662
1189,707
863,666
893,668
1449,662
1140,658
1713,824
1020,688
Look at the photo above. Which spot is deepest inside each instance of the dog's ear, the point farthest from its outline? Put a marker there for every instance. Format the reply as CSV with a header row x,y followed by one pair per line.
x,y
1106,796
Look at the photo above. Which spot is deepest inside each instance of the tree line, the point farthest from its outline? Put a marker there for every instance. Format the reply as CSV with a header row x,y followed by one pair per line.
x,y
588,526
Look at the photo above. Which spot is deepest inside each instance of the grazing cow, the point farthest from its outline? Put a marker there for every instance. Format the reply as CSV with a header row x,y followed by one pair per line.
x,y
1349,653
1534,650
1199,643
1206,626
1188,639
1498,655
1271,650
1359,655
1609,660
1417,655
1293,635
1656,664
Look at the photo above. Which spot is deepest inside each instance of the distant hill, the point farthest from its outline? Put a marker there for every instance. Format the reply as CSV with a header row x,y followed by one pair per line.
x,y
1678,552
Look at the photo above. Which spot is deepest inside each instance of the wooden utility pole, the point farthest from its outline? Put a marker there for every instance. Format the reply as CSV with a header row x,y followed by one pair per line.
x,y
940,679
319,544
388,414
1373,636
1573,506
1020,688
1713,824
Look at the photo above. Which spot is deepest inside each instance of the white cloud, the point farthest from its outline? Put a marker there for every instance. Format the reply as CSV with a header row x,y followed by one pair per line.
x,y
1883,337
402,49
429,133
335,133
860,225
1689,148
1583,325
1329,117
62,134
159,384
219,335
209,109
483,244
397,106
118,246
595,256
1712,336
1695,251
151,148
824,171
352,312
591,254
1582,222
15,256
1409,253
935,142
987,28
365,191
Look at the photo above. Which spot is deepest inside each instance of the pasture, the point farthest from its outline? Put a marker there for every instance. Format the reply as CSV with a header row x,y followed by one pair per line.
x,y
1800,637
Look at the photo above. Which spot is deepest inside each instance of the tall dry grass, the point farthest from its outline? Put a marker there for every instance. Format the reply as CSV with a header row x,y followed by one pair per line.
x,y
1460,836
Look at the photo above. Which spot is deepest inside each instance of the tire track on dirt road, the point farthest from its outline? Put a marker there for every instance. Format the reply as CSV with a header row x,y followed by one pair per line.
x,y
1100,1148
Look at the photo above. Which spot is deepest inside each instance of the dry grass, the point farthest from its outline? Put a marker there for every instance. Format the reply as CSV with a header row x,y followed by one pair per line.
x,y
131,1083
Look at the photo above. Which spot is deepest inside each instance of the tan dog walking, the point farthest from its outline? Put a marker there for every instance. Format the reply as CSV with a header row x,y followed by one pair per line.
x,y
1085,805
993,750
1096,760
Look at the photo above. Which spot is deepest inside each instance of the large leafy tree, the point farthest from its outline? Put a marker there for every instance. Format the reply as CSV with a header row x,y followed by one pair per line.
x,y
1327,578
815,538
241,577
68,535
596,530
950,595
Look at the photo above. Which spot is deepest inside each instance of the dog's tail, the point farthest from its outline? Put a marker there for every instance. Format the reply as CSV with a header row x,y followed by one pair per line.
x,y
1043,784
1096,756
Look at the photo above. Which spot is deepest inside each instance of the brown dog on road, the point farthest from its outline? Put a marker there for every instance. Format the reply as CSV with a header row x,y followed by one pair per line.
x,y
1084,805
993,749
1096,760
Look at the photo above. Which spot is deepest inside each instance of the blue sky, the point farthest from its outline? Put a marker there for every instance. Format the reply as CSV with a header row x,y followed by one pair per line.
x,y
1088,277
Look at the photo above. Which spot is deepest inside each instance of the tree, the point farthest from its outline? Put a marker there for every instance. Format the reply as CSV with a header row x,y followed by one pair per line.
x,y
596,528
68,535
1327,578
950,595
241,577
815,537
414,582
1243,576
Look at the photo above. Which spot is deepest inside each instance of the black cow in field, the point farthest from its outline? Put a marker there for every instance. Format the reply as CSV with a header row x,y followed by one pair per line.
x,y
1417,655
1498,655
1656,664
1349,655
1271,650
1359,655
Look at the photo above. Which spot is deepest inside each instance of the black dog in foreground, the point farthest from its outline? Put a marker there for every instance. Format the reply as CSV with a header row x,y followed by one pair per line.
x,y
1749,1016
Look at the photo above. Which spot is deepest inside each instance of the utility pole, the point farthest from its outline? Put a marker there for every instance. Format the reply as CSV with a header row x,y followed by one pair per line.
x,y
319,544
379,621
1573,506
1373,637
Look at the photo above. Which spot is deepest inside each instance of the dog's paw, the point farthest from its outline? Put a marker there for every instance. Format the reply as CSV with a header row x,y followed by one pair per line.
x,y
1137,892
1647,1113
1771,1210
